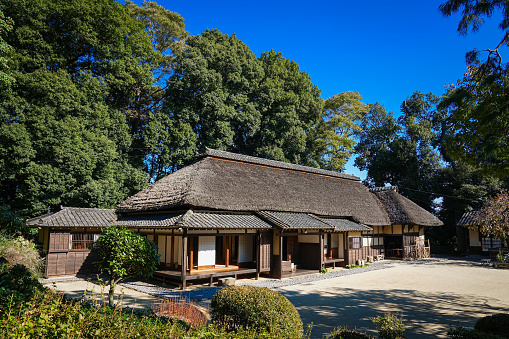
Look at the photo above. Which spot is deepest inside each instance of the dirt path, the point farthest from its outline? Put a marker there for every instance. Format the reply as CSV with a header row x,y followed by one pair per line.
x,y
431,297
130,298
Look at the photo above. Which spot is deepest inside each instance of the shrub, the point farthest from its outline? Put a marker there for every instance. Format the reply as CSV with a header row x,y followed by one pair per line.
x,y
49,315
258,308
19,278
389,326
344,333
17,250
495,324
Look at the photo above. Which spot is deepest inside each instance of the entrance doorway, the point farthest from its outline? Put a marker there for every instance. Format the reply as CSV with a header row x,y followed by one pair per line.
x,y
393,246
227,250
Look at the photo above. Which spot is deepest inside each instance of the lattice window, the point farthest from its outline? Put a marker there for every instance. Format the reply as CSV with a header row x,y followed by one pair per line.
x,y
354,242
82,241
487,242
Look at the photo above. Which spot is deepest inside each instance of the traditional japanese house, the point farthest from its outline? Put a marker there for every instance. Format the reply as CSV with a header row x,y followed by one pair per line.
x,y
230,214
475,241
67,237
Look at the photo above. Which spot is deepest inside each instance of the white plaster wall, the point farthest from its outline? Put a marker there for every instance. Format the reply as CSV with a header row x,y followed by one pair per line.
x,y
246,248
341,246
367,241
474,237
309,239
335,239
206,251
177,250
161,247
168,250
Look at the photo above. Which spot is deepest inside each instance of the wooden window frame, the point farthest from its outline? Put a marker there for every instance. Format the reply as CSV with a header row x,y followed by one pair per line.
x,y
352,243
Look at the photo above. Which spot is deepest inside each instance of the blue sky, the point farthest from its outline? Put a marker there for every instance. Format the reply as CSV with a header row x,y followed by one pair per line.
x,y
385,50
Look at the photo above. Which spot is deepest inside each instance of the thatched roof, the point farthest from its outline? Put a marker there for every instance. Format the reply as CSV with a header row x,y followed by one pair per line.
x,y
227,182
403,211
75,217
468,218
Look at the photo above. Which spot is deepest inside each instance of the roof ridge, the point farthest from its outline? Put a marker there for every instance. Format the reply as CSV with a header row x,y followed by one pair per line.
x,y
272,163
385,188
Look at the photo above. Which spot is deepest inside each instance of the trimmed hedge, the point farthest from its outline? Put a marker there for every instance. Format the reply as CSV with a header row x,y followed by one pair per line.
x,y
255,308
495,324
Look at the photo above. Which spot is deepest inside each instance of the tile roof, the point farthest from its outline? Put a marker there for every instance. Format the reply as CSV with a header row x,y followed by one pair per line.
x,y
468,218
216,220
149,220
75,217
287,220
344,225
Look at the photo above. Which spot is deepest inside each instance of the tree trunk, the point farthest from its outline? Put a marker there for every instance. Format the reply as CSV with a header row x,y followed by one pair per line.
x,y
111,294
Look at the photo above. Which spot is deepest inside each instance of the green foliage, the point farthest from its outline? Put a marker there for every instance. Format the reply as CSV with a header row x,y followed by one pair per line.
x,y
335,132
497,324
49,315
64,137
222,96
121,254
479,110
255,308
344,333
389,326
464,188
479,113
20,279
6,79
403,152
11,223
356,266
19,251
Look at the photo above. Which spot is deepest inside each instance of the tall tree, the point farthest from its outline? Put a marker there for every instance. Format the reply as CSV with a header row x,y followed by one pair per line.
x,y
336,130
6,50
208,102
222,96
167,32
403,152
480,106
290,106
64,139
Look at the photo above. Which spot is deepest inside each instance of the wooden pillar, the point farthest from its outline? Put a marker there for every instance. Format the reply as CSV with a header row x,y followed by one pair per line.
x,y
191,250
184,259
227,242
172,248
258,254
329,245
347,249
321,249
280,273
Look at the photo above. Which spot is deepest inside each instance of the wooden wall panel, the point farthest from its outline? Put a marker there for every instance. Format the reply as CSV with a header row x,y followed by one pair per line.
x,y
265,254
